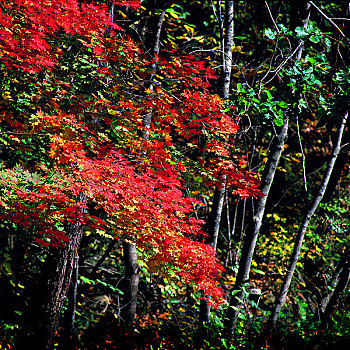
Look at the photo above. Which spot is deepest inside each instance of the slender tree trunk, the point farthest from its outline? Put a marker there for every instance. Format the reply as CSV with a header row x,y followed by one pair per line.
x,y
212,238
337,294
331,286
304,225
254,229
103,257
132,268
301,16
213,224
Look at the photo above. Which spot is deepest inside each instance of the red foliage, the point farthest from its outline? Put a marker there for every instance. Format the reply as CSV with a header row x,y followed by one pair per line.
x,y
28,29
138,184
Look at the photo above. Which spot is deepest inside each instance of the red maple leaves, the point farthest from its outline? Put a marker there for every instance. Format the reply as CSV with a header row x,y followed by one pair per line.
x,y
30,29
138,185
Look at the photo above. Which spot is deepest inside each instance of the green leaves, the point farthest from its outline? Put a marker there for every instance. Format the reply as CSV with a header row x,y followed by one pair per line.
x,y
301,32
263,105
269,33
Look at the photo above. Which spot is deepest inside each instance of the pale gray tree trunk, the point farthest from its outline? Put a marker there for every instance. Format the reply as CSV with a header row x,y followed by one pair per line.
x,y
304,225
250,238
213,224
301,16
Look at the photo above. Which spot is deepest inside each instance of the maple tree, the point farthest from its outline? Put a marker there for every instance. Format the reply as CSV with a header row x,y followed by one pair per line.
x,y
122,129
92,155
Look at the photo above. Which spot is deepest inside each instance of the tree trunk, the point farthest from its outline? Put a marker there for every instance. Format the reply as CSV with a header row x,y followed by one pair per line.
x,y
132,268
128,311
254,229
337,294
333,281
301,16
303,227
70,333
227,56
213,224
60,265
212,238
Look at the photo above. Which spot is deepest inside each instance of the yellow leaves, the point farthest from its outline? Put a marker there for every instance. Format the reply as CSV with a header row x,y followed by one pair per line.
x,y
237,49
173,14
122,14
230,281
7,96
15,139
177,62
103,137
190,29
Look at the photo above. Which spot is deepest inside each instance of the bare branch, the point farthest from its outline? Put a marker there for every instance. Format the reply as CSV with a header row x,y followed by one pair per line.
x,y
303,154
330,21
268,9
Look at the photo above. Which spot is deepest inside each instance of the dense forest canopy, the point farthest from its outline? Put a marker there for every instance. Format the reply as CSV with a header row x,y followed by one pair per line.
x,y
174,174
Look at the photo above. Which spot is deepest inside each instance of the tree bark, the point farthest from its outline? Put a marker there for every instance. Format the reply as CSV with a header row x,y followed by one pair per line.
x,y
60,265
213,224
132,268
301,16
70,333
227,63
250,238
304,225
337,294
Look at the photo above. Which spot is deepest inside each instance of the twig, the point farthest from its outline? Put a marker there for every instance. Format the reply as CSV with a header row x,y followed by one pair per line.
x,y
303,154
340,19
268,9
22,133
283,63
292,185
330,21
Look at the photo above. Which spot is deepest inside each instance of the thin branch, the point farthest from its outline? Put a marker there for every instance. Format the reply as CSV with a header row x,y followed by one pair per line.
x,y
291,186
330,21
268,9
340,19
284,62
22,133
303,154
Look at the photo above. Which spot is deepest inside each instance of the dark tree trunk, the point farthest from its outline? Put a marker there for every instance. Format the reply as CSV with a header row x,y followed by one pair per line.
x,y
59,267
132,268
70,338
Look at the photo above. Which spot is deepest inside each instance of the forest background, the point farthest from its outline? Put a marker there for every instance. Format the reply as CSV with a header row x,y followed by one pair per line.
x,y
174,174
